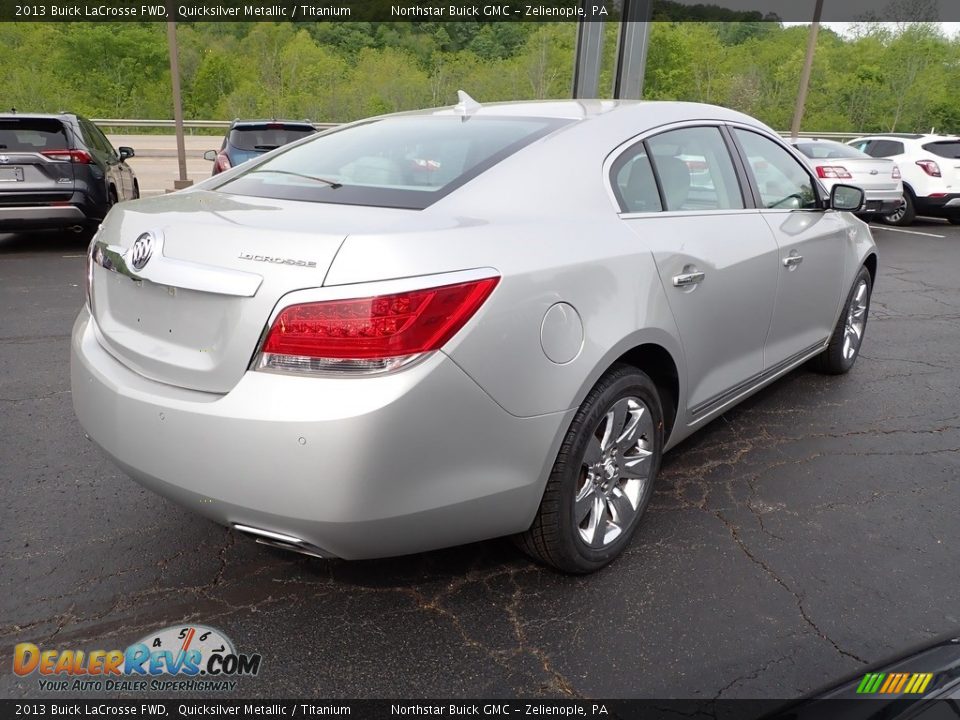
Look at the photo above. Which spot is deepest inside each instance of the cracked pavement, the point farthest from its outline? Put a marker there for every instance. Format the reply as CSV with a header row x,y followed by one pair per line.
x,y
806,532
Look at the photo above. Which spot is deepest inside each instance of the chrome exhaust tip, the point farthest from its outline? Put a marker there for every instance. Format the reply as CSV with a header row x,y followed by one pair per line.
x,y
281,541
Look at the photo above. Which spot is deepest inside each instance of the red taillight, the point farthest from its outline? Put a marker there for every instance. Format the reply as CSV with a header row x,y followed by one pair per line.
x,y
837,172
896,173
929,167
370,334
222,163
77,156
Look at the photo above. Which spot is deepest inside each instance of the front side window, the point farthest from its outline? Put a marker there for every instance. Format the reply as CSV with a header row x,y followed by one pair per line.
x,y
781,179
402,162
695,170
885,148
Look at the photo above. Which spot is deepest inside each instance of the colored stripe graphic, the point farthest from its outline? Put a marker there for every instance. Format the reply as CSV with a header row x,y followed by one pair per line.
x,y
894,683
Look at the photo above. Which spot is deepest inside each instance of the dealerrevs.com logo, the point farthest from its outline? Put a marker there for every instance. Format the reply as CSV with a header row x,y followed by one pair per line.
x,y
178,658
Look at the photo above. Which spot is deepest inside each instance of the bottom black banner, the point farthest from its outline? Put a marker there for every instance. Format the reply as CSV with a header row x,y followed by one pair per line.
x,y
375,709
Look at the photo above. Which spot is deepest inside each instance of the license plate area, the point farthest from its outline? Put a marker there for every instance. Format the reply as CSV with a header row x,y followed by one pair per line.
x,y
11,174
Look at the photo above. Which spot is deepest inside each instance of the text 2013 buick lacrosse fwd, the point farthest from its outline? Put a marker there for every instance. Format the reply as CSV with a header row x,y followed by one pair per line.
x,y
436,327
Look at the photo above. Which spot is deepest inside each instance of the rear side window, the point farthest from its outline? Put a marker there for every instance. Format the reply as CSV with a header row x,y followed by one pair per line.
x,y
267,137
403,162
944,148
31,135
634,183
884,148
695,170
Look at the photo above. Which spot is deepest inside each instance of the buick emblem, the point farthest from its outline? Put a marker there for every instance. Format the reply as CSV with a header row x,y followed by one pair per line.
x,y
874,172
4,159
141,251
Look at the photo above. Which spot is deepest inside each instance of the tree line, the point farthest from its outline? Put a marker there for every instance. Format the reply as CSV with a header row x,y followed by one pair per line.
x,y
876,78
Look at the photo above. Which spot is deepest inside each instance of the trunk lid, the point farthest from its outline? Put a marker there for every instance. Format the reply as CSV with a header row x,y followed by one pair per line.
x,y
868,173
193,313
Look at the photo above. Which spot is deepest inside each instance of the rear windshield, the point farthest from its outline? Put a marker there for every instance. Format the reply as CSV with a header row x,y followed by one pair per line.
x,y
945,149
267,137
403,162
827,151
31,135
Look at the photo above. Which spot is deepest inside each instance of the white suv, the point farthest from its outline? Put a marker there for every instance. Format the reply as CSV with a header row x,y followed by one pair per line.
x,y
930,165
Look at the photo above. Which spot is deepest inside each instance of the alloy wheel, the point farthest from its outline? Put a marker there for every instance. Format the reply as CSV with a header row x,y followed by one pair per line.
x,y
614,472
856,320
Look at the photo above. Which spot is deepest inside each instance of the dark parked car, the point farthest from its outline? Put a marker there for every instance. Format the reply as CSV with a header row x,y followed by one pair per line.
x,y
59,171
248,138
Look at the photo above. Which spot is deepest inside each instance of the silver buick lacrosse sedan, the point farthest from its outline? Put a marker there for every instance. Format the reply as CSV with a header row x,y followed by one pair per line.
x,y
431,328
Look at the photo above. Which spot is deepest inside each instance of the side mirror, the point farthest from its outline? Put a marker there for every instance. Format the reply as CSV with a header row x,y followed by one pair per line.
x,y
210,155
846,197
125,152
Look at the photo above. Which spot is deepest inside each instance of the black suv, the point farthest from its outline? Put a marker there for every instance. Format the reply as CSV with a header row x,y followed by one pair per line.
x,y
248,138
59,171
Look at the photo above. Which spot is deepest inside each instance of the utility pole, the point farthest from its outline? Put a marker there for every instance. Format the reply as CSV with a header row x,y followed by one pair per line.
x,y
177,106
807,68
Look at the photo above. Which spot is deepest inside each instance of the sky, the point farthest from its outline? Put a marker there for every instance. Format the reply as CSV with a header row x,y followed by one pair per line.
x,y
951,29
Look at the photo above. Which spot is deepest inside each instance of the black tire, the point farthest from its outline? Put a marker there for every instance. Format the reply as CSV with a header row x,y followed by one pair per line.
x,y
954,219
836,360
555,538
909,213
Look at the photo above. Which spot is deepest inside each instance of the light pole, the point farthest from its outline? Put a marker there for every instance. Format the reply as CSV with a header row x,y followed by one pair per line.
x,y
807,68
177,106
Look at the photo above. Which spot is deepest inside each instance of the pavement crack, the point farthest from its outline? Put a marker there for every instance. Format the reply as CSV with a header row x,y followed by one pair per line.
x,y
735,534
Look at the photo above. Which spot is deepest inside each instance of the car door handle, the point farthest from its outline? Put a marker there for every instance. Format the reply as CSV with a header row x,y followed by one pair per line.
x,y
688,279
792,261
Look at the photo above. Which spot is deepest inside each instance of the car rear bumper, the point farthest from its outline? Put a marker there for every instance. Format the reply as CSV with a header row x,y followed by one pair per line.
x,y
41,216
353,468
881,202
943,206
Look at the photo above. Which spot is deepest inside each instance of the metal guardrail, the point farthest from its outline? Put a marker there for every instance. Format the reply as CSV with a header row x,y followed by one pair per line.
x,y
187,124
202,124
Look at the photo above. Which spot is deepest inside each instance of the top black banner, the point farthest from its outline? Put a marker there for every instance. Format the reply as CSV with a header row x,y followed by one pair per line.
x,y
472,10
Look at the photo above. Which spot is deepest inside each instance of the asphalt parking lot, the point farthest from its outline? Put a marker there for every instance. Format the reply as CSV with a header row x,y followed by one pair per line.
x,y
810,530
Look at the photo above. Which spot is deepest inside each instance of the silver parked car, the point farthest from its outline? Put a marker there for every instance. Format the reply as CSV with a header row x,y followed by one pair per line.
x,y
436,327
879,178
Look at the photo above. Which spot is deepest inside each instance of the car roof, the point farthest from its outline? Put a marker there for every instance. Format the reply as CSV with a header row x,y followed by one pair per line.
x,y
906,136
255,123
825,141
37,116
620,116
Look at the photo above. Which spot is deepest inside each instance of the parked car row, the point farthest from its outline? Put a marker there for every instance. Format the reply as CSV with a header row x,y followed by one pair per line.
x,y
930,167
61,171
